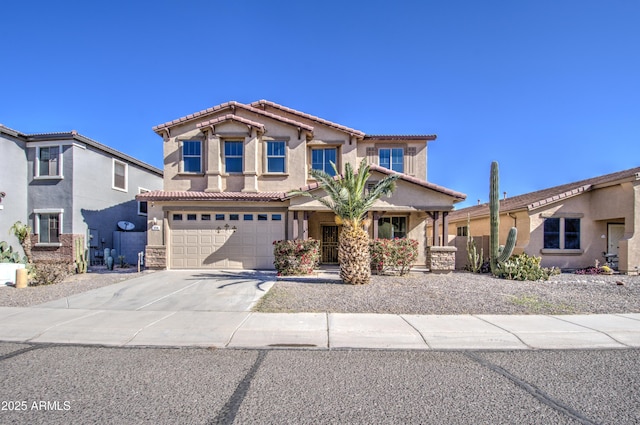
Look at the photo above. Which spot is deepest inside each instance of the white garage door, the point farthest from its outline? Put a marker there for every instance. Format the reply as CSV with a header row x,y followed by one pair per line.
x,y
223,240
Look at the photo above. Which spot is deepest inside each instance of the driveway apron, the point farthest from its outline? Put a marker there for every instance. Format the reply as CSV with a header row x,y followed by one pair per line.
x,y
216,291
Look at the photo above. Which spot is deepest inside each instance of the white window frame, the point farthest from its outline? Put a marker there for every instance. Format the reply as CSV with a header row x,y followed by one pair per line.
x,y
267,156
225,156
182,156
113,175
36,163
391,217
562,234
48,211
143,190
324,149
391,149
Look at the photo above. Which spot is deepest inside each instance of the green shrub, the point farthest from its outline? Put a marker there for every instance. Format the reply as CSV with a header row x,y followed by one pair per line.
x,y
296,257
393,256
525,267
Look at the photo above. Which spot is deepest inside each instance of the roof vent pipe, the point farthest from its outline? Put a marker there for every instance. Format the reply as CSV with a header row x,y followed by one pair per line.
x,y
505,195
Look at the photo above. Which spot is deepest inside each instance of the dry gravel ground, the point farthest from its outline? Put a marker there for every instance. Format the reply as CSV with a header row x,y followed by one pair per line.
x,y
74,284
418,293
457,293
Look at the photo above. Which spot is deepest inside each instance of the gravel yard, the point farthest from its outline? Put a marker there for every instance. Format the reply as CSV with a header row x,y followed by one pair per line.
x,y
457,293
418,293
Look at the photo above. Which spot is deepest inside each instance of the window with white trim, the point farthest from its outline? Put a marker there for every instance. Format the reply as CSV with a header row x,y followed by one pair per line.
x,y
392,227
391,159
561,233
120,170
233,154
143,206
322,158
49,161
49,226
191,156
276,156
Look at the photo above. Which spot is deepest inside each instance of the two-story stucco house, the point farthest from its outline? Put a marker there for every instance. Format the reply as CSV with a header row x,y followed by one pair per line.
x,y
569,226
228,171
65,186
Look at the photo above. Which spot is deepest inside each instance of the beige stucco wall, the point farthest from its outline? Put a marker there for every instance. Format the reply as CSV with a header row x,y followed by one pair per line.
x,y
596,208
415,165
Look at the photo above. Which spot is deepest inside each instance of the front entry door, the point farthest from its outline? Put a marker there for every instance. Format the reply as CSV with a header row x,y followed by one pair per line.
x,y
329,245
615,233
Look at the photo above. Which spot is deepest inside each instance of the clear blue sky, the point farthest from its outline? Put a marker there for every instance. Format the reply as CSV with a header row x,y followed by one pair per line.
x,y
549,88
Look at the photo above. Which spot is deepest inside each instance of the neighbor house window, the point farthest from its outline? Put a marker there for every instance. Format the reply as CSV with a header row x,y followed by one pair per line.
x,y
143,206
392,227
192,156
233,157
276,159
462,231
49,161
321,159
119,175
392,159
48,225
561,233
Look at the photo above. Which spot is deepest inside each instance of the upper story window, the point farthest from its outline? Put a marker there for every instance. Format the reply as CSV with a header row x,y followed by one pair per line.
x,y
233,157
276,156
561,233
322,158
392,159
119,180
392,227
49,161
191,156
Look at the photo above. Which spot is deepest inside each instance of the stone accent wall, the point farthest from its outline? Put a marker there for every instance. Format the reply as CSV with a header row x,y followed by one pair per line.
x,y
155,257
55,254
441,259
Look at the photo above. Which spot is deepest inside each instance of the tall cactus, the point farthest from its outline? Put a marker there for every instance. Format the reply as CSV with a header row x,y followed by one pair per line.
x,y
498,254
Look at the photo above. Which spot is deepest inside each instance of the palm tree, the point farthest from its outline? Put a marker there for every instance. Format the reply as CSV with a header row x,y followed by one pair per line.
x,y
350,201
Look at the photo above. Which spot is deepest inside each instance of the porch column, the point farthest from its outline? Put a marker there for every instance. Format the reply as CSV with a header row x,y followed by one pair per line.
x,y
435,216
305,225
295,234
376,217
445,228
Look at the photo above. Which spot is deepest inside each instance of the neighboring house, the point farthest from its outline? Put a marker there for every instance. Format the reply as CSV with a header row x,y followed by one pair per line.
x,y
228,171
569,226
65,186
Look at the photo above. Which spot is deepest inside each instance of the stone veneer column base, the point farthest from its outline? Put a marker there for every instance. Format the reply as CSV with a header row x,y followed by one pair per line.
x,y
155,257
441,259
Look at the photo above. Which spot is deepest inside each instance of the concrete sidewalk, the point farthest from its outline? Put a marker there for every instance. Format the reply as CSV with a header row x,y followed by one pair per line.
x,y
244,329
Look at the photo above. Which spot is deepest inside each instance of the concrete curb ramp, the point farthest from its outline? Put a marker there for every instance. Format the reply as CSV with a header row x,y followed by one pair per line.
x,y
243,329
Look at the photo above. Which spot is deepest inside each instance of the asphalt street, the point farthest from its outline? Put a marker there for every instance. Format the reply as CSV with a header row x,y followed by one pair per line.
x,y
66,384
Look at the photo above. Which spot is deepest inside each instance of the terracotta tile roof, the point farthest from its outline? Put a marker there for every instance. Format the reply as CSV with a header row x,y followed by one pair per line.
x,y
533,200
160,195
458,195
230,117
230,105
417,137
264,103
423,183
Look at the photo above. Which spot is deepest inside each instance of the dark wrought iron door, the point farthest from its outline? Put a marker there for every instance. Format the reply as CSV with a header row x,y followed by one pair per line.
x,y
329,245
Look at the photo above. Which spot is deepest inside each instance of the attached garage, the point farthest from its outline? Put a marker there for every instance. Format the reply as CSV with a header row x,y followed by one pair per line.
x,y
223,239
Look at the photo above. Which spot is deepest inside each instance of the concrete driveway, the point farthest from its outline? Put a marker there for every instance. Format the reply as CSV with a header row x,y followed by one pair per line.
x,y
217,291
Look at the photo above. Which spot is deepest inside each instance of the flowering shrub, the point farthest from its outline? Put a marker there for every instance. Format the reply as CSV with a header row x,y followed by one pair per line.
x,y
296,257
391,256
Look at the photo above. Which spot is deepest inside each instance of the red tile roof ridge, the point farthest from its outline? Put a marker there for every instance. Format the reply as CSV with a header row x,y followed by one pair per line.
x,y
188,195
230,117
229,104
317,119
539,198
401,136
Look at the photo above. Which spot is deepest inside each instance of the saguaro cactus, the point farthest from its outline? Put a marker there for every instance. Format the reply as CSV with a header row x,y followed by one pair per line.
x,y
498,254
81,256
